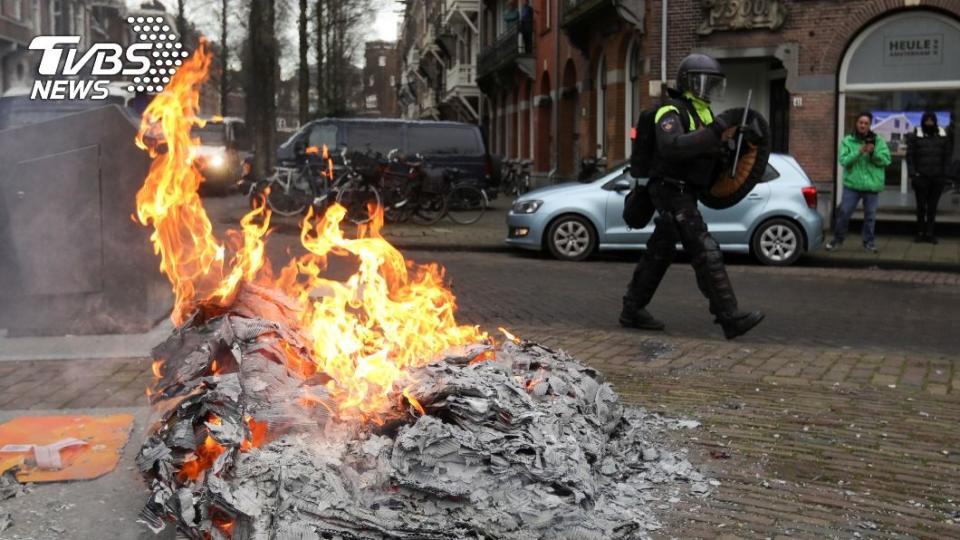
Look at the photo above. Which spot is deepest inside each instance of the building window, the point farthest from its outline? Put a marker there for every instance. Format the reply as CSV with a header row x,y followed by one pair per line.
x,y
382,61
896,69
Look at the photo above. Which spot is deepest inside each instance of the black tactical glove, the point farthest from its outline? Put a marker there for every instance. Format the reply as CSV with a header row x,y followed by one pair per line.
x,y
718,126
752,133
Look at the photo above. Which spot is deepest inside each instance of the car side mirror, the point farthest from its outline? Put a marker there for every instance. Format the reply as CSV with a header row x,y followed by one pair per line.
x,y
622,185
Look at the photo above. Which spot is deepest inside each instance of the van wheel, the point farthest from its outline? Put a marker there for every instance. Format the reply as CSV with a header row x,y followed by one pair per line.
x,y
571,238
777,242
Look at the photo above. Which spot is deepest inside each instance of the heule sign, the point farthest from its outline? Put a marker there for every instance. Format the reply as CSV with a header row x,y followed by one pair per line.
x,y
741,14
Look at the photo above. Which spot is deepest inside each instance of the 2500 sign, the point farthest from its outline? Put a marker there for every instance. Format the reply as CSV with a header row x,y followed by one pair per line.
x,y
741,14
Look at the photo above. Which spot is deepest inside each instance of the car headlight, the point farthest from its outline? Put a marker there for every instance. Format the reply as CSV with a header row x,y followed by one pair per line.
x,y
526,207
216,161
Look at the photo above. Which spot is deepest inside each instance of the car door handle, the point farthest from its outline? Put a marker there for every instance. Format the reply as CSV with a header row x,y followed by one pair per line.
x,y
755,197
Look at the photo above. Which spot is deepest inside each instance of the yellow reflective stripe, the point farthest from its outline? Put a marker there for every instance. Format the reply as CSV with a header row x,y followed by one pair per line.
x,y
664,110
702,108
670,108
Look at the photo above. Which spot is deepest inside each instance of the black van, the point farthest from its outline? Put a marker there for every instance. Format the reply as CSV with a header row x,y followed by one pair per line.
x,y
443,145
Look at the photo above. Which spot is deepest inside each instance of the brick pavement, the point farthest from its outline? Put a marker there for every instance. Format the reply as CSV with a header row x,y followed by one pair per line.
x,y
808,437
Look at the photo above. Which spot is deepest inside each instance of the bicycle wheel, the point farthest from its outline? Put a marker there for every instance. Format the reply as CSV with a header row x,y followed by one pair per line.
x,y
396,206
524,184
509,184
430,209
359,198
289,195
466,204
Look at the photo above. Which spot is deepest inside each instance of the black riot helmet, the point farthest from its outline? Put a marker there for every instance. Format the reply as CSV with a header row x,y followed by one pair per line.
x,y
701,75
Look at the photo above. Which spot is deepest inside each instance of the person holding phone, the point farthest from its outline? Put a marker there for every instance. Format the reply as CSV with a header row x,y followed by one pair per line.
x,y
864,158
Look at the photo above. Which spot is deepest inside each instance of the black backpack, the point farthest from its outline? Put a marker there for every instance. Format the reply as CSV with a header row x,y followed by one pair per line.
x,y
637,206
645,136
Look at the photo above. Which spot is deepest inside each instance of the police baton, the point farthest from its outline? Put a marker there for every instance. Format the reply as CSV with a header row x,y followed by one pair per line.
x,y
743,126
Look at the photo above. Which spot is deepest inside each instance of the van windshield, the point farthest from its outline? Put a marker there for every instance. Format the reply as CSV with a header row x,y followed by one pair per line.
x,y
212,134
443,140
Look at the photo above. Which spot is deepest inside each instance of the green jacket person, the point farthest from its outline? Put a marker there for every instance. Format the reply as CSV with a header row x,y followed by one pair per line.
x,y
864,157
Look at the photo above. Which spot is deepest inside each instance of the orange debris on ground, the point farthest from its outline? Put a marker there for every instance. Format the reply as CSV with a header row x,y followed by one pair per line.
x,y
105,437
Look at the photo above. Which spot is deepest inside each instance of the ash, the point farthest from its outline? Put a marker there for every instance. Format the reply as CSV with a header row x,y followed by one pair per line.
x,y
528,444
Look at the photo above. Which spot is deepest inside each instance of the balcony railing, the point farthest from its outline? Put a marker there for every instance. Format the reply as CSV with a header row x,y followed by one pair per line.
x,y
507,49
429,38
427,101
460,75
461,5
577,9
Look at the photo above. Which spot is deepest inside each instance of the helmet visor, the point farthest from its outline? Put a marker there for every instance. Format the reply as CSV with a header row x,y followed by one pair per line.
x,y
707,86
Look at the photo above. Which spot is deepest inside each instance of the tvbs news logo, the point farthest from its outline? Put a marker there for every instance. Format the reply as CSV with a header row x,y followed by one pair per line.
x,y
147,64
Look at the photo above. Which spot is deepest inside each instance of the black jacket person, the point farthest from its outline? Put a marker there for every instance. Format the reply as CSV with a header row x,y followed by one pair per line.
x,y
688,151
928,163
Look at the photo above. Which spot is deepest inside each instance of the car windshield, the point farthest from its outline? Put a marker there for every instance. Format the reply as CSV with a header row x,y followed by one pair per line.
x,y
212,134
19,111
443,140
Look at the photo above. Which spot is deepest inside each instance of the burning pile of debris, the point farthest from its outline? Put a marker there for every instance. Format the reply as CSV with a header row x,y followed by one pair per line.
x,y
297,406
516,441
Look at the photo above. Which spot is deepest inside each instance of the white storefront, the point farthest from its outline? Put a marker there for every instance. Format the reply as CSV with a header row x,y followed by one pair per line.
x,y
897,68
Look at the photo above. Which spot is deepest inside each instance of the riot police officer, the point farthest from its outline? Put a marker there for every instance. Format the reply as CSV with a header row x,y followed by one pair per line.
x,y
689,148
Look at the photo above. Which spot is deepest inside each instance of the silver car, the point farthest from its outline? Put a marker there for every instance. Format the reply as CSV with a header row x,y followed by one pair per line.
x,y
777,221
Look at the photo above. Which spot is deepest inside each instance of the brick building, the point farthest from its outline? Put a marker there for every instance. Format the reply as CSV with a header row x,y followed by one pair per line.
x,y
380,79
437,57
21,20
812,64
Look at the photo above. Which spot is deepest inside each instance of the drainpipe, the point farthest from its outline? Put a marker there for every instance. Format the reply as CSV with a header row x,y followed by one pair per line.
x,y
555,110
663,44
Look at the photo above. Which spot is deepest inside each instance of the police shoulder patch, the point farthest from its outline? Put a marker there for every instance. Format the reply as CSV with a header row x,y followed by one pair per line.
x,y
668,123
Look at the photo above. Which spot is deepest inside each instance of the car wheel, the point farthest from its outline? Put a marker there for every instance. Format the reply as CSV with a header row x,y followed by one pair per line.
x,y
571,238
777,242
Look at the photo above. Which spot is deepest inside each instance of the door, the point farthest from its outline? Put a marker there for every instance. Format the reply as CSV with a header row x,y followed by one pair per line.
x,y
616,230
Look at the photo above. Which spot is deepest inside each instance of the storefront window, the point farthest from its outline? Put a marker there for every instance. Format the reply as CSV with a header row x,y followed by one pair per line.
x,y
898,68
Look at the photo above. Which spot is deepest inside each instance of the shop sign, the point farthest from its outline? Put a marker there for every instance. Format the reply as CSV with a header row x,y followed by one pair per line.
x,y
741,15
914,49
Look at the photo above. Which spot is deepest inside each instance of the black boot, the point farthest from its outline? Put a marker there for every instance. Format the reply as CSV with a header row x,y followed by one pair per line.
x,y
738,323
640,318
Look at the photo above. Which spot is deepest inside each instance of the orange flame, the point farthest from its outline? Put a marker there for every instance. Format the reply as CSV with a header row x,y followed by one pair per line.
x,y
155,367
413,401
190,255
205,454
365,333
509,336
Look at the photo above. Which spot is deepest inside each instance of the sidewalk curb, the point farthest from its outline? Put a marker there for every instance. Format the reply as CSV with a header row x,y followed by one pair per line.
x,y
809,261
882,264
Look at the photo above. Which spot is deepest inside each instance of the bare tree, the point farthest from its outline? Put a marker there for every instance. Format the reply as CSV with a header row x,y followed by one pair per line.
x,y
262,56
181,18
321,59
224,59
304,76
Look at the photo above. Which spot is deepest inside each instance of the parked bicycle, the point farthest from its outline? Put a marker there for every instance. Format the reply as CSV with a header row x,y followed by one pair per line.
x,y
291,190
466,202
515,176
410,193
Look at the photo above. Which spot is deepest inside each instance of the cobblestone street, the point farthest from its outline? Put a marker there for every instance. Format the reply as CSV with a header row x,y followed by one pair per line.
x,y
835,418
